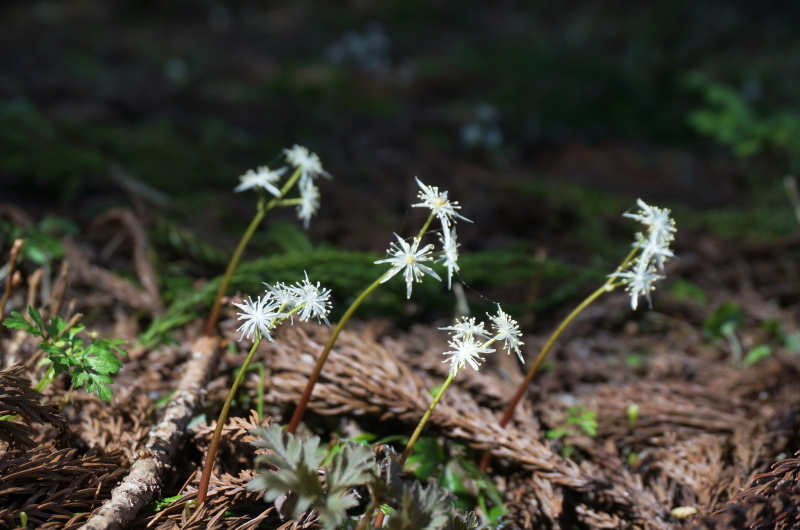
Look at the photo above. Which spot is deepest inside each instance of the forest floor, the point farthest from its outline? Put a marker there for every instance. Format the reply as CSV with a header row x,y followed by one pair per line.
x,y
117,155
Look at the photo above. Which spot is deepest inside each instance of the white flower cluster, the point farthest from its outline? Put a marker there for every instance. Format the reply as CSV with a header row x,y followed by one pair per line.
x,y
280,301
309,166
654,244
263,177
409,257
466,347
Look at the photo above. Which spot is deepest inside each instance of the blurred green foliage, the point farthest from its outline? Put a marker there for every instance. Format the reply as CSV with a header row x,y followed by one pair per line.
x,y
458,473
731,120
42,242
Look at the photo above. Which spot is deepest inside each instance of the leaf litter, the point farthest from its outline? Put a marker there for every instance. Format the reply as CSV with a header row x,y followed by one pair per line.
x,y
711,445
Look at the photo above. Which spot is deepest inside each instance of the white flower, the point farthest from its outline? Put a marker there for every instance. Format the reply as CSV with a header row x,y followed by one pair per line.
x,y
639,280
408,257
507,329
660,227
466,328
449,254
259,316
465,350
282,295
656,252
263,177
308,163
313,300
309,201
438,203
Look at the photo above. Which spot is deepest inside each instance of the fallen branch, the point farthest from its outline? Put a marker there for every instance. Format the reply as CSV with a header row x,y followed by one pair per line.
x,y
143,482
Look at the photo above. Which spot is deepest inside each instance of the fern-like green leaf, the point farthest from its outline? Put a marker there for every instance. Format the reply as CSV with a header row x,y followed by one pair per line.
x,y
421,508
352,466
297,477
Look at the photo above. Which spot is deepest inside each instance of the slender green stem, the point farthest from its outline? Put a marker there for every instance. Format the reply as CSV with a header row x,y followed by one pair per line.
x,y
425,418
46,379
262,381
546,349
303,403
409,446
425,226
608,286
263,208
202,489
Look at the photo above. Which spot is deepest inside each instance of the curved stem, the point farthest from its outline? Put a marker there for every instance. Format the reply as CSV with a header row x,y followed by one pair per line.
x,y
202,489
512,405
407,451
545,350
263,208
425,226
425,417
312,380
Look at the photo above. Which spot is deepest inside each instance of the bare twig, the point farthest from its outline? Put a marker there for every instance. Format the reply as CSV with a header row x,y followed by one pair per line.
x,y
144,480
119,288
141,260
16,248
59,290
34,280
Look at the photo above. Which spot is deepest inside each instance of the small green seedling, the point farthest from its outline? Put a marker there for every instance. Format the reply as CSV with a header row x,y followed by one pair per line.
x,y
633,416
792,342
89,365
160,504
722,324
762,351
579,419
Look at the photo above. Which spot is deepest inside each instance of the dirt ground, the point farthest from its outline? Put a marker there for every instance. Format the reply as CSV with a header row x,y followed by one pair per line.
x,y
128,125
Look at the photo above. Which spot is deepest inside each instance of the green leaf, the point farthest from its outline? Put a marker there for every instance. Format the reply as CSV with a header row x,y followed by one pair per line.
x,y
55,326
557,433
160,504
353,466
633,416
756,354
94,382
101,360
486,485
792,342
426,459
298,461
15,321
36,317
421,508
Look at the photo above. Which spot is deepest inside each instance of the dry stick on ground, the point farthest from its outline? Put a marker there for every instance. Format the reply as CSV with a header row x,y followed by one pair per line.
x,y
141,260
59,290
16,248
143,482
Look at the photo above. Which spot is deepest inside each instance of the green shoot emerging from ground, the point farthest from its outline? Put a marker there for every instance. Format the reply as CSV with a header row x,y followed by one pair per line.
x,y
263,180
89,365
403,257
297,480
259,318
297,462
468,341
638,273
